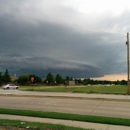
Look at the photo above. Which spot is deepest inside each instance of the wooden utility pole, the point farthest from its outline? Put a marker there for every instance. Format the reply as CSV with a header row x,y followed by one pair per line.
x,y
128,65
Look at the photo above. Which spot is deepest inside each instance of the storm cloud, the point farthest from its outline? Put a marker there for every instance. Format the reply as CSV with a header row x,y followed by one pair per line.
x,y
47,36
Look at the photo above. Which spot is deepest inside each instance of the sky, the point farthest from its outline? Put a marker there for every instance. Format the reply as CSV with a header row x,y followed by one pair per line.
x,y
76,38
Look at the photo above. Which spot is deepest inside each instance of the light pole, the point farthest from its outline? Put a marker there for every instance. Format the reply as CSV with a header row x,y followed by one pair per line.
x,y
128,65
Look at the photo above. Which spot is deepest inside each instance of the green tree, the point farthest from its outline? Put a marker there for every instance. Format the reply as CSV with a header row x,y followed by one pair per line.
x,y
92,82
23,79
59,79
117,82
78,81
67,78
85,81
50,78
6,77
1,78
71,79
123,82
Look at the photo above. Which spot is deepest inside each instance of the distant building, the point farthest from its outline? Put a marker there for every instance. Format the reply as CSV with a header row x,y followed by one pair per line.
x,y
13,77
70,83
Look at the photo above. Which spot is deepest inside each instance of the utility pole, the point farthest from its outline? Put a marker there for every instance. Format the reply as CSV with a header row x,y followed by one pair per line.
x,y
128,65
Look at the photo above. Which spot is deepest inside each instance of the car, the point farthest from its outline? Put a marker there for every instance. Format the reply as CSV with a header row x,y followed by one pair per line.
x,y
10,86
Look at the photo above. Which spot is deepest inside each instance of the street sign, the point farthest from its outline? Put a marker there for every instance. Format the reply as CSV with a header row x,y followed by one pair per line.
x,y
32,79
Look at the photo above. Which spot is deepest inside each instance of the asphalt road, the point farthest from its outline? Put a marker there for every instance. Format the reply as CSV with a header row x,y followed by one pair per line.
x,y
66,105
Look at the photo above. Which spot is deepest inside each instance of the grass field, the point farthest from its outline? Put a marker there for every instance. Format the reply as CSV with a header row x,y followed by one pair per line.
x,y
115,89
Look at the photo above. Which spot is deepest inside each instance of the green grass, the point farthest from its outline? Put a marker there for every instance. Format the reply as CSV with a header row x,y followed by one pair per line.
x,y
115,89
65,116
37,126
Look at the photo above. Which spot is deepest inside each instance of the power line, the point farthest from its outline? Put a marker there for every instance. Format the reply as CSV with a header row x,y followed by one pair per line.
x,y
108,62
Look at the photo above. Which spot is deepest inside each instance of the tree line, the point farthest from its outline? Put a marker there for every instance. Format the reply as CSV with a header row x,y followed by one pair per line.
x,y
88,81
51,79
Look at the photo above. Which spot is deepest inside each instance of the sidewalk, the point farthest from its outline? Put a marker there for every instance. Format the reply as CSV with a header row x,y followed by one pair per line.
x,y
87,125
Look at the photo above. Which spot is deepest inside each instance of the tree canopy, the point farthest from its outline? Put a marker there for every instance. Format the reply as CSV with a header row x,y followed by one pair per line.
x,y
6,77
59,79
50,78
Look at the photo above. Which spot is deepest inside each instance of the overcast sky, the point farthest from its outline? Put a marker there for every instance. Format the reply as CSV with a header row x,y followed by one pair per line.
x,y
78,38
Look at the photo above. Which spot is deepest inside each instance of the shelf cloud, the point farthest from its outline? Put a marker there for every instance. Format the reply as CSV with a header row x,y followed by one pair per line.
x,y
63,37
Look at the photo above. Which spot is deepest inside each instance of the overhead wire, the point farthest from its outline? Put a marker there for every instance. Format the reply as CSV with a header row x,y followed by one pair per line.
x,y
107,63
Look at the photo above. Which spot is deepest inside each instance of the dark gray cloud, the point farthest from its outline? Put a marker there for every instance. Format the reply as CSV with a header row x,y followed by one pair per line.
x,y
32,40
43,65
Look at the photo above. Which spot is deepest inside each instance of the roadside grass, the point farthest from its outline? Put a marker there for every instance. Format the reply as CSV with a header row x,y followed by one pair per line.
x,y
115,89
65,116
36,125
